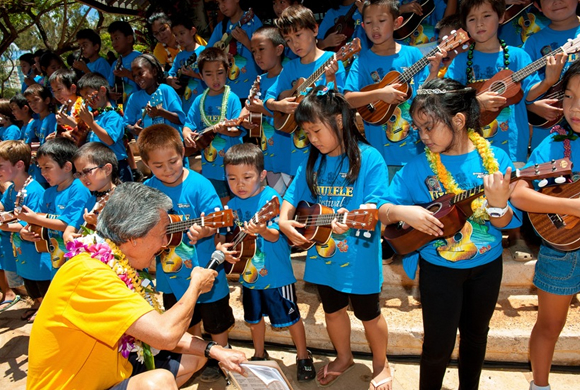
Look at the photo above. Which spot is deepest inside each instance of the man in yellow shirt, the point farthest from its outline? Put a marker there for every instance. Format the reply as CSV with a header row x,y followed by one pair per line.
x,y
100,317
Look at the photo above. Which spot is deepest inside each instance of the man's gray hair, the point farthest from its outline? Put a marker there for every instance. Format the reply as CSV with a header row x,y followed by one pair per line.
x,y
131,212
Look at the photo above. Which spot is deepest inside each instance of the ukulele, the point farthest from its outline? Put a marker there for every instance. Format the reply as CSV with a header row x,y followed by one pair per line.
x,y
224,42
555,92
318,218
156,100
80,133
344,24
453,210
379,112
245,244
203,139
182,79
255,117
411,20
560,231
285,122
119,86
178,225
507,83
44,244
97,208
8,216
513,10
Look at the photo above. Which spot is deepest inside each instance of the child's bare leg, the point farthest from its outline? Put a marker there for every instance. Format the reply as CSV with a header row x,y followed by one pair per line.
x,y
299,338
258,337
8,293
377,333
552,313
221,338
338,328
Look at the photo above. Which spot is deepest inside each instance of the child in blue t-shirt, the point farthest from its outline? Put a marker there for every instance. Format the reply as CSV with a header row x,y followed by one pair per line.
x,y
183,76
161,149
394,139
425,31
120,76
23,113
19,255
209,111
90,60
241,25
267,278
452,268
515,32
281,156
564,25
485,58
343,173
8,129
63,202
337,39
39,99
557,274
156,102
104,122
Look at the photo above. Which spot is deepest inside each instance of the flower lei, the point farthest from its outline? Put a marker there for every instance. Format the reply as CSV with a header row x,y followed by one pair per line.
x,y
224,106
108,253
102,110
74,112
490,164
469,69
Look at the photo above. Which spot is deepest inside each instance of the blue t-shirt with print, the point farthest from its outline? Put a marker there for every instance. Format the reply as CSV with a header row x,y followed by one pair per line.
x,y
283,152
194,196
29,130
271,266
243,70
397,141
165,96
509,131
537,46
46,127
517,31
100,66
425,32
194,85
212,158
349,262
129,86
29,263
12,133
68,206
112,122
478,243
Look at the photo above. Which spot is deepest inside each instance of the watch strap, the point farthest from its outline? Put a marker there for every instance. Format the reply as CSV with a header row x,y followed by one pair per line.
x,y
207,348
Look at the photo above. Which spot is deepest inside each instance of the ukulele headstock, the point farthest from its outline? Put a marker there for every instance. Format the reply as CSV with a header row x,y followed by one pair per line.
x,y
269,210
362,219
454,39
219,219
348,50
554,168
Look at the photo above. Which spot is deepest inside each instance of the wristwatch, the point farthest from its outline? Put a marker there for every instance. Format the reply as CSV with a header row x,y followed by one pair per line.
x,y
495,212
208,347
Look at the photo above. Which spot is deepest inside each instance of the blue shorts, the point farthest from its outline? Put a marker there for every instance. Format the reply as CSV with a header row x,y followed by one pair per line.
x,y
277,303
221,187
558,272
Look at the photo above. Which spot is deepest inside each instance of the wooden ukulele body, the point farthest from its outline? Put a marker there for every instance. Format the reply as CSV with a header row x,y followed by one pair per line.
x,y
285,122
313,233
538,121
43,245
379,112
503,84
343,25
246,251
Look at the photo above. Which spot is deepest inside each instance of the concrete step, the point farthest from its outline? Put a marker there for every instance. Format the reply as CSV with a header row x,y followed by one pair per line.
x,y
510,327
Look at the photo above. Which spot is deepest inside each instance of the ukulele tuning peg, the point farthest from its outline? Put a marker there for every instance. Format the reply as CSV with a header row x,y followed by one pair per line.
x,y
543,183
560,180
446,36
367,234
226,207
216,209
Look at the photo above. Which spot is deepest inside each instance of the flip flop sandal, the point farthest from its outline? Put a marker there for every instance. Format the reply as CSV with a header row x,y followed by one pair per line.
x,y
376,385
9,303
335,373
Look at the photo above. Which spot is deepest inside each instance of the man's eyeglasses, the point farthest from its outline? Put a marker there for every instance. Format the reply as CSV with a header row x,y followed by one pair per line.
x,y
84,172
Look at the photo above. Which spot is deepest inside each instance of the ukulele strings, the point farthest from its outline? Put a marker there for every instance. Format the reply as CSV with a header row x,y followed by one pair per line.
x,y
325,219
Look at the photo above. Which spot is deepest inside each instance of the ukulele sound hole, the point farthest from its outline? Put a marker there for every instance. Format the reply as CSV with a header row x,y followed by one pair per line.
x,y
498,87
435,207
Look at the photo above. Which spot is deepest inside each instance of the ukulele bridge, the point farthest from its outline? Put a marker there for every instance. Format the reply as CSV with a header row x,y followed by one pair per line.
x,y
371,107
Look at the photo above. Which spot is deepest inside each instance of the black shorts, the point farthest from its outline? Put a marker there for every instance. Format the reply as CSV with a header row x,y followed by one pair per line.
x,y
217,316
365,307
36,288
164,359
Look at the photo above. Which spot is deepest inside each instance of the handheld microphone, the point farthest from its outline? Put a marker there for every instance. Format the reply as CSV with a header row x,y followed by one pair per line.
x,y
217,258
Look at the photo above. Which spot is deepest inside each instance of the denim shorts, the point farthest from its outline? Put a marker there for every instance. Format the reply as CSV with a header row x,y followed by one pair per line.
x,y
558,272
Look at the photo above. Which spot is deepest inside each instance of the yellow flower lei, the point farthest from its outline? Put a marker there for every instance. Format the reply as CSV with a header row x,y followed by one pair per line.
x,y
490,164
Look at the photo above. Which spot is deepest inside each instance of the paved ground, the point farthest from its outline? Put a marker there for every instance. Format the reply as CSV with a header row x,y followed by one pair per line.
x,y
14,334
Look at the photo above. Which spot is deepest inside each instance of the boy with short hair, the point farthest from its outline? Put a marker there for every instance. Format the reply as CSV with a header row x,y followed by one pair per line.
x,y
161,149
64,201
395,139
39,99
564,25
27,69
487,56
298,27
182,70
90,45
269,290
23,113
32,266
63,83
217,103
104,122
123,39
